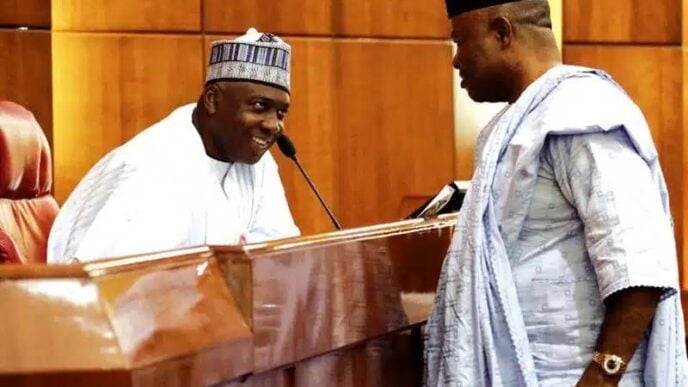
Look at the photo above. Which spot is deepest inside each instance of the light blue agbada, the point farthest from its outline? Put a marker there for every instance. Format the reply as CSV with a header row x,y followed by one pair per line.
x,y
476,335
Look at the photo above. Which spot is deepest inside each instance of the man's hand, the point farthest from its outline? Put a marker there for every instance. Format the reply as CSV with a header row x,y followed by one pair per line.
x,y
595,377
627,316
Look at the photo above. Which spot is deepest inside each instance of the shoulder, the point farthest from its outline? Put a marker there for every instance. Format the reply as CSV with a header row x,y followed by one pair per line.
x,y
570,147
166,141
589,100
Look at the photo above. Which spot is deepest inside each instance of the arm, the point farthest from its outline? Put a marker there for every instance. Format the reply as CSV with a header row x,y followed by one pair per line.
x,y
629,237
115,211
627,317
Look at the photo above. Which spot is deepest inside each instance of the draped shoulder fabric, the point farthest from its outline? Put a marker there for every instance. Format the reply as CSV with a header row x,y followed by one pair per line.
x,y
476,334
160,191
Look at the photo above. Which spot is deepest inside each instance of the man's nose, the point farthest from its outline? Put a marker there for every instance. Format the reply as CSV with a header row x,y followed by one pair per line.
x,y
272,124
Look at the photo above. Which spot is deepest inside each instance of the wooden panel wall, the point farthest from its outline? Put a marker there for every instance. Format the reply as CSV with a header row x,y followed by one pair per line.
x,y
369,128
126,15
402,19
25,57
360,18
396,127
31,13
641,47
108,87
628,21
284,17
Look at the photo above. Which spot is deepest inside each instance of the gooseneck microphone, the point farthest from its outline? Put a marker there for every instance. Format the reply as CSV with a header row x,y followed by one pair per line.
x,y
287,147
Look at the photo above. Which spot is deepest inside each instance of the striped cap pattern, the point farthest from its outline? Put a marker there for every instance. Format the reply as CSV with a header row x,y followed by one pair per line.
x,y
266,59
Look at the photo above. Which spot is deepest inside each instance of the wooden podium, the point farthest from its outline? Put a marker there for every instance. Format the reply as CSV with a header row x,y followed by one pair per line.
x,y
338,309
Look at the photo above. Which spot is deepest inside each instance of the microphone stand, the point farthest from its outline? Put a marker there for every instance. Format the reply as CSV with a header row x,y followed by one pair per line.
x,y
317,194
289,150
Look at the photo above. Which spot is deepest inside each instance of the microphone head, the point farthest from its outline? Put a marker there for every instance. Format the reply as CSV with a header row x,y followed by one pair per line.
x,y
286,146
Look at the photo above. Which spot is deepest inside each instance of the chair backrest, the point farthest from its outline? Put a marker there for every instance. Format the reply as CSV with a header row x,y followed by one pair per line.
x,y
27,208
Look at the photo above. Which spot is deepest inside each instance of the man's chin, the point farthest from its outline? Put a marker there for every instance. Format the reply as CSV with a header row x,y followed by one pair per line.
x,y
475,97
482,97
252,159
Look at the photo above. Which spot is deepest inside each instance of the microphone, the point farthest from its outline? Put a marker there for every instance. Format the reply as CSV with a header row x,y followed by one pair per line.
x,y
287,147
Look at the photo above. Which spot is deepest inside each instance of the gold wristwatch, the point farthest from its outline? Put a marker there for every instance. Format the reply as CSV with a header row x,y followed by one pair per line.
x,y
611,364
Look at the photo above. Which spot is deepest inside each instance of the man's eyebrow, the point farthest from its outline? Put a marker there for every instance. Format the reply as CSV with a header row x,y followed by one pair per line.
x,y
268,99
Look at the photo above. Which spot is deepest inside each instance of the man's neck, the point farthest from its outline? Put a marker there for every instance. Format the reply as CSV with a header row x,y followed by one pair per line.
x,y
535,66
207,145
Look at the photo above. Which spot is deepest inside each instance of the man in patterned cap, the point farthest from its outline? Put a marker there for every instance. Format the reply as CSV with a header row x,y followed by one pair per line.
x,y
201,176
563,267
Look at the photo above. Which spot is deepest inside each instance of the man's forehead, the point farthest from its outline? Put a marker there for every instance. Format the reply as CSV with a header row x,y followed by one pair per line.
x,y
256,89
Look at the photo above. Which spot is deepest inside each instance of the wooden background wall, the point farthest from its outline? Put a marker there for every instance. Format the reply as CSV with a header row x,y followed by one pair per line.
x,y
372,112
641,46
25,57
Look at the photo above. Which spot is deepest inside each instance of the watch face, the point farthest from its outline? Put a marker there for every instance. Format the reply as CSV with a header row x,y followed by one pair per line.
x,y
612,364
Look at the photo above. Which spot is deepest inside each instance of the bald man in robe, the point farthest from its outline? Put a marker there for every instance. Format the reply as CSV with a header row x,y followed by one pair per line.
x,y
562,270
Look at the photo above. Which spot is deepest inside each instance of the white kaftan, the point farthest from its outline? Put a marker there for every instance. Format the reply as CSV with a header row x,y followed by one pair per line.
x,y
160,191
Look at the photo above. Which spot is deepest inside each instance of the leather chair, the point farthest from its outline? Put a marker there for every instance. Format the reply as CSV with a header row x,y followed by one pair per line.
x,y
27,208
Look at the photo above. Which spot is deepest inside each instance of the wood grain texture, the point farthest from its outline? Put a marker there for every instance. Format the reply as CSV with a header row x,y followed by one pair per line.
x,y
394,123
25,76
33,13
406,18
629,21
126,15
653,77
295,17
109,87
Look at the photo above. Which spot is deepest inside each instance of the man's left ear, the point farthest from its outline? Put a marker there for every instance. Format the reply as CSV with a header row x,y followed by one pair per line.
x,y
211,96
504,31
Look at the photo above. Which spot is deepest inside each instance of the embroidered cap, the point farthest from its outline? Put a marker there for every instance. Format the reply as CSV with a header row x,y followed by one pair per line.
x,y
457,7
255,56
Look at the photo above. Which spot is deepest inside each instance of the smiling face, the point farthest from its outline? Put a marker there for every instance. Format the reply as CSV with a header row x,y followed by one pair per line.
x,y
242,119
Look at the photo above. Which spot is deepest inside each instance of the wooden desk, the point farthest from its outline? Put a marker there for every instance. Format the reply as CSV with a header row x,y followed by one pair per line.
x,y
339,309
